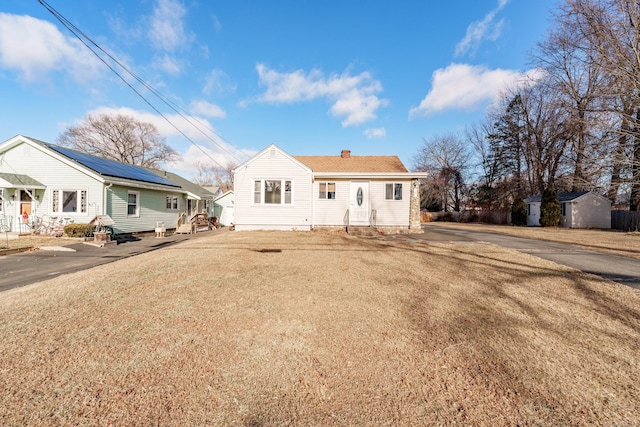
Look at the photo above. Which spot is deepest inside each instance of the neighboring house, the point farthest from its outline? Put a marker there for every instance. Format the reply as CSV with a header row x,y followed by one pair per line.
x,y
582,209
40,180
223,208
199,199
274,190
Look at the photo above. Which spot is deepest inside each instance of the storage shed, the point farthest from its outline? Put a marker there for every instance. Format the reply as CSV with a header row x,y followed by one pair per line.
x,y
583,209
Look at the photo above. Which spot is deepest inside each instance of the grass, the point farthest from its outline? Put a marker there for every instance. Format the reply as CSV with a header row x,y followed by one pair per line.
x,y
609,241
332,330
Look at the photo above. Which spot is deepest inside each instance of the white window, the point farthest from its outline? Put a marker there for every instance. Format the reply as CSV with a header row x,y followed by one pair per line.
x,y
327,190
133,203
172,203
272,191
69,201
1,200
393,191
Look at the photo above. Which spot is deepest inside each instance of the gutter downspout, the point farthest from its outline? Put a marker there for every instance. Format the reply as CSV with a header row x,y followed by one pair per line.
x,y
313,204
104,199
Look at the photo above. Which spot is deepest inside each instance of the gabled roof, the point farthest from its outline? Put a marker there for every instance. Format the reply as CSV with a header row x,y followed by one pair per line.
x,y
562,197
271,150
374,164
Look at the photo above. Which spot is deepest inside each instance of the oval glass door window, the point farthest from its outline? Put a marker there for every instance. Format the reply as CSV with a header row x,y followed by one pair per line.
x,y
359,196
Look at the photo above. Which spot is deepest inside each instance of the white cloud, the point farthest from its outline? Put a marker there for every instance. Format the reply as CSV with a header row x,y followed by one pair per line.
x,y
206,109
463,86
479,31
353,97
166,27
35,47
168,64
193,155
375,133
218,82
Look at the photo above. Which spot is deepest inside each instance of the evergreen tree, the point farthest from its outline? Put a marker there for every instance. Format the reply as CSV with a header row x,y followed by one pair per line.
x,y
518,212
549,209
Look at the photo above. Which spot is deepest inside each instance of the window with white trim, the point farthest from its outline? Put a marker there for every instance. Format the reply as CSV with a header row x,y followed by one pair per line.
x,y
133,203
393,191
327,190
172,203
272,191
563,209
69,201
1,200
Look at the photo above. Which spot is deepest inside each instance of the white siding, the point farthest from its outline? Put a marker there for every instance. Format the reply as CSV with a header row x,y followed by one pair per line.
x,y
55,175
390,213
272,164
533,217
589,211
331,212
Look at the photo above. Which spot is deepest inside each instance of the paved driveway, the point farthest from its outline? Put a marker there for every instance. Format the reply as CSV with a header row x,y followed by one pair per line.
x,y
31,267
614,267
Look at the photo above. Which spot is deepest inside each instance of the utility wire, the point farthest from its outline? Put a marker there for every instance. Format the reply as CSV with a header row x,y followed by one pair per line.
x,y
86,40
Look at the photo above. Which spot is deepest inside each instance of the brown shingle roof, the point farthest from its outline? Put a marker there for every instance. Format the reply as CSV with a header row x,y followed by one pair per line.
x,y
353,163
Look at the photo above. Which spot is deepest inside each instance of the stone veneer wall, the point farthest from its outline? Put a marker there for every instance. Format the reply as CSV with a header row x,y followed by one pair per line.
x,y
414,207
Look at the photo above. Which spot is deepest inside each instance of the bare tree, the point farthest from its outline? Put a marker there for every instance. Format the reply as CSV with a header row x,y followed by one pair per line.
x,y
612,28
577,76
209,174
121,138
447,159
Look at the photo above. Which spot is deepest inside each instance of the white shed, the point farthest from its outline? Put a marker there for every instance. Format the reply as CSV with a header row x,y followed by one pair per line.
x,y
583,209
223,207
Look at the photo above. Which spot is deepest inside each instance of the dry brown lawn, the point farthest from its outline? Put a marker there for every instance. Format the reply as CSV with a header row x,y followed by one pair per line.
x,y
610,241
34,241
331,330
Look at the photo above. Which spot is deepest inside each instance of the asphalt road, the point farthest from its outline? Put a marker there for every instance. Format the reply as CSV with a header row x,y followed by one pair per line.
x,y
620,269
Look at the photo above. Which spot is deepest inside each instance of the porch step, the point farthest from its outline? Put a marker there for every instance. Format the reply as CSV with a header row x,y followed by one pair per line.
x,y
184,229
363,231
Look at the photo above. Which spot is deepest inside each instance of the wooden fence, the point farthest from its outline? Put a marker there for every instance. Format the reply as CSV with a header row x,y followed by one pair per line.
x,y
625,220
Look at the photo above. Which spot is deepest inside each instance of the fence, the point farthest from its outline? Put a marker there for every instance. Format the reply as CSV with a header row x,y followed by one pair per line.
x,y
625,220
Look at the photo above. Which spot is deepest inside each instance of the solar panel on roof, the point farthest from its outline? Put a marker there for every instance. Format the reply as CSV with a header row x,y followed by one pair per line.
x,y
112,168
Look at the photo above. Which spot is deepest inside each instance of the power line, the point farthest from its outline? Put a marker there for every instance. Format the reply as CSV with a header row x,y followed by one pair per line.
x,y
87,41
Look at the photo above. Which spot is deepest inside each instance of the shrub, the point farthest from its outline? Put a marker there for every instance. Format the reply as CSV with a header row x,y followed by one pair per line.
x,y
549,209
79,230
445,217
518,212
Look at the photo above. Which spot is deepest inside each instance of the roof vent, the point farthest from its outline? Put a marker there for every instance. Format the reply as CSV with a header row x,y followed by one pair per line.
x,y
346,154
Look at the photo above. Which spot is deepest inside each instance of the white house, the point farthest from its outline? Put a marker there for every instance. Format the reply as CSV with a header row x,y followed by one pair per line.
x,y
40,180
582,209
274,190
224,207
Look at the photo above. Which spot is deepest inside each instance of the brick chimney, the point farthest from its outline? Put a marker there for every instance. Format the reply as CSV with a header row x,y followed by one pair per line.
x,y
346,154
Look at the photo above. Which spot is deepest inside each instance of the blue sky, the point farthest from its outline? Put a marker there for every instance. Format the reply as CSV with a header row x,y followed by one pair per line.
x,y
375,77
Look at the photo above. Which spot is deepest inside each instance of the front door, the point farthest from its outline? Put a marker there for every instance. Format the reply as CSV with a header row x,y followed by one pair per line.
x,y
359,206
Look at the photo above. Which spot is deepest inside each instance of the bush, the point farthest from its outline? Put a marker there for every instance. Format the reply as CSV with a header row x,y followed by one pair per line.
x,y
79,230
518,212
549,209
445,217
